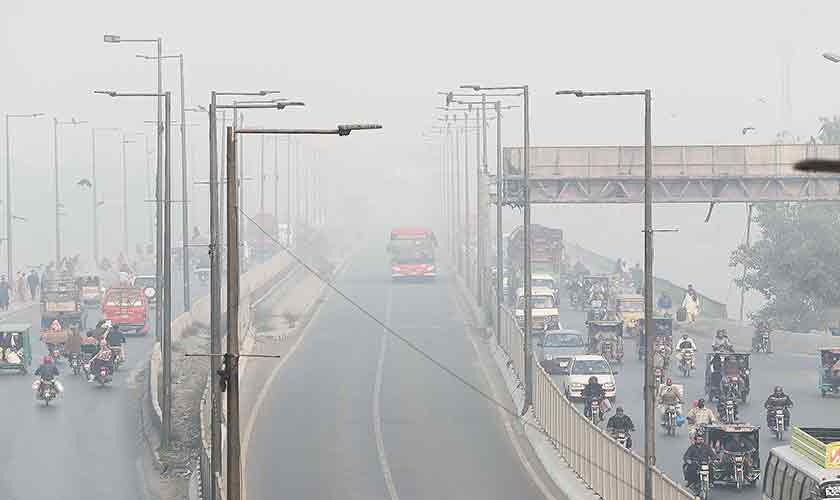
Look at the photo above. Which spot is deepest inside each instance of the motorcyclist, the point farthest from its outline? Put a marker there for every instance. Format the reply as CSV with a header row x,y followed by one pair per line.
x,y
116,341
103,358
699,416
762,326
621,423
663,356
668,395
592,391
722,342
699,452
721,407
778,400
686,343
47,372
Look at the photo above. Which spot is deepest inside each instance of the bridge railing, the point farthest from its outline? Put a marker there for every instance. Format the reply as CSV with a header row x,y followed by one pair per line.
x,y
760,160
608,468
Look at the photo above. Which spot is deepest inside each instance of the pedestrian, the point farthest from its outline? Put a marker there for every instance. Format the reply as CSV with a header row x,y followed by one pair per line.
x,y
33,282
20,287
4,293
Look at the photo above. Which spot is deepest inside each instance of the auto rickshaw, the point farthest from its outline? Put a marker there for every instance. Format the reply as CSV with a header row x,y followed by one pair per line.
x,y
739,462
829,370
606,339
630,308
728,372
663,328
15,347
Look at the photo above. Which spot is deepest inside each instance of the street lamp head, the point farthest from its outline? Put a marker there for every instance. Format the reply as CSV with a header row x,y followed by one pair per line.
x,y
578,93
818,165
471,87
282,105
831,56
112,39
267,92
142,56
106,92
344,130
36,115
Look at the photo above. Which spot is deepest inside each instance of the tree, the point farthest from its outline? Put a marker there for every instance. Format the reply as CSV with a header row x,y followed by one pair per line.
x,y
795,264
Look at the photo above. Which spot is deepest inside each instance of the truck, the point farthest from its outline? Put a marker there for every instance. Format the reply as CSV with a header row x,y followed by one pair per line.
x,y
60,300
412,253
262,236
548,255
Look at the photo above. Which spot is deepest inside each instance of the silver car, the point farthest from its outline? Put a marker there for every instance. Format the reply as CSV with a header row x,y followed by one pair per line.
x,y
557,349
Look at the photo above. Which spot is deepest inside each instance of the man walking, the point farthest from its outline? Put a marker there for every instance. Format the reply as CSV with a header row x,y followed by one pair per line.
x,y
33,282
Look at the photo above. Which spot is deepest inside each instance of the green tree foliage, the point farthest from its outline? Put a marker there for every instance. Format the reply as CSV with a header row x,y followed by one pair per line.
x,y
795,263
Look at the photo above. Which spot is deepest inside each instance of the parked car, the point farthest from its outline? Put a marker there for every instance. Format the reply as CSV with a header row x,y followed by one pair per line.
x,y
557,349
583,366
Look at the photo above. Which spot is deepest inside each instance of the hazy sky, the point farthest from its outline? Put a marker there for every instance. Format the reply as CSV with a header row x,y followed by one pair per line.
x,y
714,68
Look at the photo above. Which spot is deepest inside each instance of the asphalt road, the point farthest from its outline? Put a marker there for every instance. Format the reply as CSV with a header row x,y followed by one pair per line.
x,y
795,372
354,413
85,445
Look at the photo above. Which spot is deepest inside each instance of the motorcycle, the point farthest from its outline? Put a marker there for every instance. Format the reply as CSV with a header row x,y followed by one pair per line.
x,y
620,437
686,361
102,376
658,376
703,485
761,343
779,427
75,363
45,390
54,352
669,419
738,470
118,357
593,411
728,416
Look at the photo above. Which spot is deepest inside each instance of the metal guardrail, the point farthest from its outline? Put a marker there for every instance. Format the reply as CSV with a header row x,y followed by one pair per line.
x,y
611,470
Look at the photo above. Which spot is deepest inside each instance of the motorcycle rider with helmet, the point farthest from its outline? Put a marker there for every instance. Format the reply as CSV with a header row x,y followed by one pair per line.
x,y
621,423
686,343
103,358
721,342
593,390
778,400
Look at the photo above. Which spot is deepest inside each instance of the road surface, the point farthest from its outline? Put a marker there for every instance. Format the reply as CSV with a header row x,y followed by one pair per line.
x,y
795,372
86,445
354,413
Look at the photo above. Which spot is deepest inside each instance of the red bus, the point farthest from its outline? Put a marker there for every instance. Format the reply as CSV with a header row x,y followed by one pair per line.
x,y
412,252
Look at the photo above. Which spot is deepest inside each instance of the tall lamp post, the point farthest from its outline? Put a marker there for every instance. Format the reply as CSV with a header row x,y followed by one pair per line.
x,y
215,270
185,216
159,215
123,142
165,289
230,372
526,233
9,213
56,123
649,388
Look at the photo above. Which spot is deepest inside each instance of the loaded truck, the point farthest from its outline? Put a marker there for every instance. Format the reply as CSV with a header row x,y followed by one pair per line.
x,y
548,255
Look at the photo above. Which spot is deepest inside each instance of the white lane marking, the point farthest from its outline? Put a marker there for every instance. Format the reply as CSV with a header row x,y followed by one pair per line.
x,y
504,417
377,390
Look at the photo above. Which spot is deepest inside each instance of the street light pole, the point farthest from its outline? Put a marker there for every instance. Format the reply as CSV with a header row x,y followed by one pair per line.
x,y
230,372
125,197
56,123
94,190
649,382
500,265
9,213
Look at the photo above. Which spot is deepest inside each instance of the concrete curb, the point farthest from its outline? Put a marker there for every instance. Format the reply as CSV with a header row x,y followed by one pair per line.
x,y
563,476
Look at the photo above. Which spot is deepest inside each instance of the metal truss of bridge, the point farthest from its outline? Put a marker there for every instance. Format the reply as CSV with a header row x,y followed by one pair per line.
x,y
681,174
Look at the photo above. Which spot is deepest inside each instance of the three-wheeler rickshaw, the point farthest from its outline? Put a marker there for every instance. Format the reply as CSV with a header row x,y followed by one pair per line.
x,y
15,347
